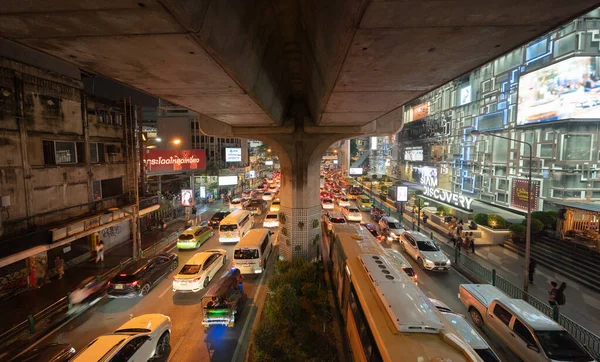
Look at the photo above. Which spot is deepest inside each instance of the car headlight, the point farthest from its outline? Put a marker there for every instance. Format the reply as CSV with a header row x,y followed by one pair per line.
x,y
427,261
448,262
393,235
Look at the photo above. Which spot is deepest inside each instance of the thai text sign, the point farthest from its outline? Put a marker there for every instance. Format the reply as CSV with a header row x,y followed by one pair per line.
x,y
520,194
174,160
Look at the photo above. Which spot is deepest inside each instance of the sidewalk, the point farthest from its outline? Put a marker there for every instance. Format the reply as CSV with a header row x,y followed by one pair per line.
x,y
583,304
16,309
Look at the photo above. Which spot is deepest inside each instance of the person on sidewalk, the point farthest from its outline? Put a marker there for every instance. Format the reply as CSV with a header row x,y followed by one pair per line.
x,y
552,294
33,273
59,266
100,251
531,271
561,299
453,238
472,242
467,243
459,242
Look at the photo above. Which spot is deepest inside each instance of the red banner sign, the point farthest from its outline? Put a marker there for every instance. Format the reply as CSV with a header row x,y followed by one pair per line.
x,y
520,194
157,161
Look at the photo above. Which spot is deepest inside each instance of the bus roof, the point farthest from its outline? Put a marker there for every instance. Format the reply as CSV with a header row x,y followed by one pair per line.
x,y
404,323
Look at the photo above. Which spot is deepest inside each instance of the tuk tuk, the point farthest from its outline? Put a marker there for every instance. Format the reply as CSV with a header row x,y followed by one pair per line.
x,y
222,302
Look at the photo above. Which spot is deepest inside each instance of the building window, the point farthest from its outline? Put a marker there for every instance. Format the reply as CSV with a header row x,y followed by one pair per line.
x,y
101,116
104,189
577,147
96,152
118,119
62,152
546,150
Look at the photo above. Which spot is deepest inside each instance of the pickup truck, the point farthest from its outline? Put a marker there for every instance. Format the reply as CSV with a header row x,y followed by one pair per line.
x,y
529,333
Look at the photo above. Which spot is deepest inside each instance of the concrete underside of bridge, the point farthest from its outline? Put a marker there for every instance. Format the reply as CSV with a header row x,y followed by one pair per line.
x,y
299,74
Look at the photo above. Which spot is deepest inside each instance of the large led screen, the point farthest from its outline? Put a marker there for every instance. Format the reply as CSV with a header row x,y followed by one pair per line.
x,y
413,154
565,90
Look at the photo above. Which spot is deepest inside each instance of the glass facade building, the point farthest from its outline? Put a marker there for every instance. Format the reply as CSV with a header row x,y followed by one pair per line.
x,y
546,93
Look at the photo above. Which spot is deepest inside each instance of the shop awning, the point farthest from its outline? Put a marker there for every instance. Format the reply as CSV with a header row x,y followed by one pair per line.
x,y
587,206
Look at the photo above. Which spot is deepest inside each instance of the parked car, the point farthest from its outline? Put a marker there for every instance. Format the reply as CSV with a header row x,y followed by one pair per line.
x,y
137,278
275,205
529,333
140,339
343,201
271,220
327,204
215,220
256,206
332,218
424,250
53,352
199,270
352,213
470,334
391,228
193,237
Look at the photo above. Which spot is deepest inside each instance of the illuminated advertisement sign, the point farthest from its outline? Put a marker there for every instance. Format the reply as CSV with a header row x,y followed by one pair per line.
x,y
269,163
251,174
187,198
233,155
520,195
465,95
413,154
429,179
355,171
157,161
420,111
228,180
202,192
373,143
401,193
565,90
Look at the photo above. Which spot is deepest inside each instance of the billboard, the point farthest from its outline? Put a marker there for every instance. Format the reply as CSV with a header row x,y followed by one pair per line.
x,y
355,171
465,95
269,163
202,192
420,111
233,154
564,90
187,198
251,174
402,193
520,196
228,180
157,161
413,154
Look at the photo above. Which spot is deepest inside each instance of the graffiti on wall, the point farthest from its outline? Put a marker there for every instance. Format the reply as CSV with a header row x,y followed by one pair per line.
x,y
13,278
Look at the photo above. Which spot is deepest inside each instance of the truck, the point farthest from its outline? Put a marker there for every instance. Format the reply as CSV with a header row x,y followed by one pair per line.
x,y
529,333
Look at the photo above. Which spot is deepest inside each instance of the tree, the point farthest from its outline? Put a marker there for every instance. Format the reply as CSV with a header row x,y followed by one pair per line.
x,y
443,210
519,231
546,218
212,169
353,148
496,221
481,219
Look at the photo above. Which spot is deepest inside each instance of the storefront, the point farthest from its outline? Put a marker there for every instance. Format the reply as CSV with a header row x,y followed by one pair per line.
x,y
579,222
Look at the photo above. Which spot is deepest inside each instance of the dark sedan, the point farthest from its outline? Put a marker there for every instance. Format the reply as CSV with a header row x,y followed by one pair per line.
x,y
373,230
140,276
216,219
54,352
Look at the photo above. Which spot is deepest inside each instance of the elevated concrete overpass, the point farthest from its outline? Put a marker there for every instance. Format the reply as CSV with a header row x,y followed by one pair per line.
x,y
298,74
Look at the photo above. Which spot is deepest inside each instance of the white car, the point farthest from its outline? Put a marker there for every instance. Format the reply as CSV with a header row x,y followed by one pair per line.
x,y
199,271
352,213
140,339
421,248
468,332
267,196
327,204
271,220
343,201
236,204
391,228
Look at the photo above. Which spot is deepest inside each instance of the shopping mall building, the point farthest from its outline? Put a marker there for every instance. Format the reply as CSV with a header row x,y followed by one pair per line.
x,y
545,93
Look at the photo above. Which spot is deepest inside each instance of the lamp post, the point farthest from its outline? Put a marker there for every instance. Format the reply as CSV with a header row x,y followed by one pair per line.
x,y
528,232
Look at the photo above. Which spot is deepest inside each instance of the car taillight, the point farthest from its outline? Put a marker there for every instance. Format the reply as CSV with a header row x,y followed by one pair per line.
x,y
416,278
195,280
260,262
108,285
133,284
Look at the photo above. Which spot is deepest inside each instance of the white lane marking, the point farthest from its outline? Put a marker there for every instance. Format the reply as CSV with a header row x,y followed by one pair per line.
x,y
247,323
166,290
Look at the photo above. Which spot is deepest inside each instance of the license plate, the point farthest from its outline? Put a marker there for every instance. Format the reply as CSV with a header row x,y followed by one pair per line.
x,y
183,283
118,286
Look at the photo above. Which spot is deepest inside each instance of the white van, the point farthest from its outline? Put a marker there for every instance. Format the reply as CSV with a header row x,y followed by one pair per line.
x,y
235,226
251,253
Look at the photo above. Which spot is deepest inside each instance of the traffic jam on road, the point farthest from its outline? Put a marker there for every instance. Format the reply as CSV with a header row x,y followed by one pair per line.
x,y
501,328
166,306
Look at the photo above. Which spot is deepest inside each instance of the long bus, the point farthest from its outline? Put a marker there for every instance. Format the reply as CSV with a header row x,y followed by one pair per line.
x,y
386,316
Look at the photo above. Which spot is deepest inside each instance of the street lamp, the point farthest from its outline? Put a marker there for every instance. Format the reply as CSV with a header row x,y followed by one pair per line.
x,y
177,141
528,232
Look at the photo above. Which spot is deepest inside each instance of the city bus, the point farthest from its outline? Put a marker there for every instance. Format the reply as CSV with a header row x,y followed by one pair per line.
x,y
354,192
386,316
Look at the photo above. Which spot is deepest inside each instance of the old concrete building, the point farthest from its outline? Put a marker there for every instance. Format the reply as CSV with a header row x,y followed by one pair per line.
x,y
62,164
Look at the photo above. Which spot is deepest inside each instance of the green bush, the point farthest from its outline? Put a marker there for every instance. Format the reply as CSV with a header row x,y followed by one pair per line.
x,y
536,225
383,188
443,210
496,221
547,218
481,219
518,230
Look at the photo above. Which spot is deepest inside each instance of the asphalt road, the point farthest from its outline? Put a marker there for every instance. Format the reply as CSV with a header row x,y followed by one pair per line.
x,y
444,287
189,340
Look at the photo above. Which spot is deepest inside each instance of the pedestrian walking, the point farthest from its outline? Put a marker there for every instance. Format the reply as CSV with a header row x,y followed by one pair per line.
x,y
472,242
561,299
552,294
467,243
59,266
531,271
100,251
459,242
453,238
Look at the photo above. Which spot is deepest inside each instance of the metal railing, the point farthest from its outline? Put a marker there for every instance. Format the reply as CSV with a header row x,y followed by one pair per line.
x,y
38,324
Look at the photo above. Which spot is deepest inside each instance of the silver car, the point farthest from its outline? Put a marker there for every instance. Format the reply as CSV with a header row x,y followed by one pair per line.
x,y
425,251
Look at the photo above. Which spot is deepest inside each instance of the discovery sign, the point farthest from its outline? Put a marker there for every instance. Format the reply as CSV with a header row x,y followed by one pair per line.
x,y
429,179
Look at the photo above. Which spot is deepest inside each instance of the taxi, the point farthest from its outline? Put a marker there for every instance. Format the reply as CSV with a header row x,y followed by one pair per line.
x,y
364,202
193,237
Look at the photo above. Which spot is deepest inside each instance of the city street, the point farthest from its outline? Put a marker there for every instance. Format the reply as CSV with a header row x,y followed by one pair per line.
x,y
189,340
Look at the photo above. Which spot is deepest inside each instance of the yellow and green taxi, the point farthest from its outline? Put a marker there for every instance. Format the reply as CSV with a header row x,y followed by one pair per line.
x,y
193,237
275,205
364,202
